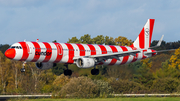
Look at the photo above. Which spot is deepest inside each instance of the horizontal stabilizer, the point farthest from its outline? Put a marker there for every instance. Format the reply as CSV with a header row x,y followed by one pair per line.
x,y
146,53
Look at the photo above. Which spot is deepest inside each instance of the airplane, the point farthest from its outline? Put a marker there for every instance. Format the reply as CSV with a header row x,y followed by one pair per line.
x,y
47,54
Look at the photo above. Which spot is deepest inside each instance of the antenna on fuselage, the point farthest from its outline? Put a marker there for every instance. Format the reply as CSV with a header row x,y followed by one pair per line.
x,y
24,40
37,40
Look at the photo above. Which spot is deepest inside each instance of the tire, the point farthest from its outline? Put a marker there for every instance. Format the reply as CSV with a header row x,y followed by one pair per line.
x,y
95,71
22,69
67,72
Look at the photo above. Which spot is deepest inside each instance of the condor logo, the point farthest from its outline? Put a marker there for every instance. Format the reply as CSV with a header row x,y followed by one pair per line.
x,y
43,53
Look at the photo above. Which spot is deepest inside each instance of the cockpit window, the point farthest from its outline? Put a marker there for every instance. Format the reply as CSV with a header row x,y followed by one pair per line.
x,y
12,47
16,47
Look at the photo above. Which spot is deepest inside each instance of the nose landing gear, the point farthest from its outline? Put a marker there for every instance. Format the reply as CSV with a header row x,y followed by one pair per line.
x,y
23,69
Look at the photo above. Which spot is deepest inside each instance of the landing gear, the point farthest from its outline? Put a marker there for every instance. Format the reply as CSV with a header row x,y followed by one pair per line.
x,y
67,72
23,69
95,71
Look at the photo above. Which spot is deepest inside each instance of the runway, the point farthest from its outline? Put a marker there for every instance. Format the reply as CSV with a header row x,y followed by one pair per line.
x,y
5,97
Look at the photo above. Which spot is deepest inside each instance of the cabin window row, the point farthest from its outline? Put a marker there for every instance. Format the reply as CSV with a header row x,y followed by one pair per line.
x,y
45,48
86,50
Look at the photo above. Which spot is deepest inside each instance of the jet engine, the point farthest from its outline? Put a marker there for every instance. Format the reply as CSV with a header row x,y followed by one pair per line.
x,y
85,62
45,65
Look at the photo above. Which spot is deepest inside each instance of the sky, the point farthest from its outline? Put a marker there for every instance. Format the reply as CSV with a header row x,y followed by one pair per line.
x,y
49,20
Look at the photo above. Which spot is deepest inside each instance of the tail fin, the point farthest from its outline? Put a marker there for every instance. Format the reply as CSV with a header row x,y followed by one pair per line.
x,y
144,38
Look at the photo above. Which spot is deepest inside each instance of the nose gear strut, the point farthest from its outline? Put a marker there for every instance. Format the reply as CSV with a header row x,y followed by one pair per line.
x,y
23,69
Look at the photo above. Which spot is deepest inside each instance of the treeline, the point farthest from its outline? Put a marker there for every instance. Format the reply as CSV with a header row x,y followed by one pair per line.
x,y
159,74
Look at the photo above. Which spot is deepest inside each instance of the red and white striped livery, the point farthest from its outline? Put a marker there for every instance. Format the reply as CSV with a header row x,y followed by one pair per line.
x,y
46,54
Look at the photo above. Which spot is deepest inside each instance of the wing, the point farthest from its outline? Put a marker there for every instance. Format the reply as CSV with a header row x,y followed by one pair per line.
x,y
103,57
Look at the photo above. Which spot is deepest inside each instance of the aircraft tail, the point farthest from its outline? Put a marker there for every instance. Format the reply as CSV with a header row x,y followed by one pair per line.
x,y
144,38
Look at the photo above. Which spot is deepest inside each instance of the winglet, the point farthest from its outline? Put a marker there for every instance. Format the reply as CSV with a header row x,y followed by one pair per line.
x,y
159,43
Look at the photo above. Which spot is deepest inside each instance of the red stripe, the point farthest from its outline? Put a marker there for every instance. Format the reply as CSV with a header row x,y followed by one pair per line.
x,y
37,50
144,55
125,58
59,52
131,45
141,39
135,57
113,48
104,51
71,53
151,22
25,51
92,48
81,49
48,52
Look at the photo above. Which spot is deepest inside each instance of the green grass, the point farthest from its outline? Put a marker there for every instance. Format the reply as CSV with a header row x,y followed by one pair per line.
x,y
107,99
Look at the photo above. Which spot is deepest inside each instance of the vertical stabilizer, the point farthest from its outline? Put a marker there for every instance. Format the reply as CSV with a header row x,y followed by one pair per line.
x,y
144,38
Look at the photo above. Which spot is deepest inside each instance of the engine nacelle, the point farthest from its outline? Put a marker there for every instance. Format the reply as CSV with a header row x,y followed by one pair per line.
x,y
85,62
45,65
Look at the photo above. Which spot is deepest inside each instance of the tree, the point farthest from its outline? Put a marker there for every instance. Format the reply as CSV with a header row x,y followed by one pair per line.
x,y
109,40
175,59
46,80
99,39
123,41
157,60
126,86
165,85
144,75
54,41
6,74
79,87
120,72
74,40
59,69
59,82
86,39
3,48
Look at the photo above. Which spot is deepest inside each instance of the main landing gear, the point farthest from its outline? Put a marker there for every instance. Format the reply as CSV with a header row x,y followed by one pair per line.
x,y
67,72
95,71
23,69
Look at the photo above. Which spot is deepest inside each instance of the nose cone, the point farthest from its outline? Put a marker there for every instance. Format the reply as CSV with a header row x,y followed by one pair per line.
x,y
10,53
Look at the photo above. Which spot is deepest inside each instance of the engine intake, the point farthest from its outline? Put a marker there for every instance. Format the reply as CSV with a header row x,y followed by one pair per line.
x,y
85,62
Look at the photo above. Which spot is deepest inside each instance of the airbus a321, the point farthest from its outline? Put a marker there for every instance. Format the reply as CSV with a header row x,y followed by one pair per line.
x,y
47,54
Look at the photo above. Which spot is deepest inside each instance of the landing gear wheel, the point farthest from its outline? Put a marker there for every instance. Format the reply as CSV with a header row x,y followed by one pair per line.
x,y
95,71
22,69
67,72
